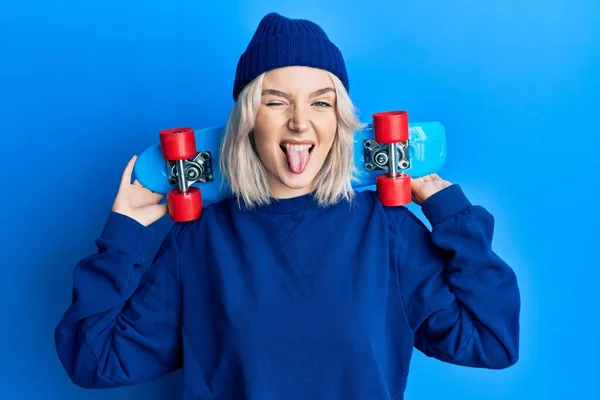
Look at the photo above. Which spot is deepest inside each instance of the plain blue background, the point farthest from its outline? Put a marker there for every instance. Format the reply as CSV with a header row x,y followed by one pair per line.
x,y
86,84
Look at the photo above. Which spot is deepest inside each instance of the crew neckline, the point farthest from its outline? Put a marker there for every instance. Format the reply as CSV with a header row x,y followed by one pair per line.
x,y
289,205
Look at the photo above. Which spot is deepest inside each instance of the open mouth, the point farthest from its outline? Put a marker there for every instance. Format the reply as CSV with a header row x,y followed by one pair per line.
x,y
297,154
296,147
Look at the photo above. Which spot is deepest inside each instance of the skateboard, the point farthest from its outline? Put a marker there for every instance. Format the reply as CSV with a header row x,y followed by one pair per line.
x,y
388,152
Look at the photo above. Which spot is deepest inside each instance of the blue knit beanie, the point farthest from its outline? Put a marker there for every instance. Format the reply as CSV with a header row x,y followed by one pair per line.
x,y
281,42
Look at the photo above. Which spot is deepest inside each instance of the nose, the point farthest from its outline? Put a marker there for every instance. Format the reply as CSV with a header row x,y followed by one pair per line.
x,y
299,121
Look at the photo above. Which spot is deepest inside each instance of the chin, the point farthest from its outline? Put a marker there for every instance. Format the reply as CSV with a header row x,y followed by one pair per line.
x,y
288,180
288,183
302,181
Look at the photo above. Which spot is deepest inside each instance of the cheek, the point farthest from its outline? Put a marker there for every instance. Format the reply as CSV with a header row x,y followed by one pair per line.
x,y
265,129
260,134
328,131
261,145
265,146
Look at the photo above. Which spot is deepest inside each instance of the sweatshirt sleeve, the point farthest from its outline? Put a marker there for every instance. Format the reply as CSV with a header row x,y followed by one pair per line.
x,y
461,299
122,326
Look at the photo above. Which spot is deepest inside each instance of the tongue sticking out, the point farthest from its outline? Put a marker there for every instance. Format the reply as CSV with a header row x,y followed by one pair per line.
x,y
297,160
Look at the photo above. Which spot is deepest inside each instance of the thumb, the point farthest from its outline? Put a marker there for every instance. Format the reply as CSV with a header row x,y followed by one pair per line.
x,y
128,171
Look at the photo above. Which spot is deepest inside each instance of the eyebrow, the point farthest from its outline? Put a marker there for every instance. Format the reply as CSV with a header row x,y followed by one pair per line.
x,y
279,93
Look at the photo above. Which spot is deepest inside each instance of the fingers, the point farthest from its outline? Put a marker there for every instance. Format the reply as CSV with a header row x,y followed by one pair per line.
x,y
147,197
430,177
126,177
416,182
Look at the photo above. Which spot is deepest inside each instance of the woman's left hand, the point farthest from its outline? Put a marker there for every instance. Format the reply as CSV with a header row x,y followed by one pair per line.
x,y
426,186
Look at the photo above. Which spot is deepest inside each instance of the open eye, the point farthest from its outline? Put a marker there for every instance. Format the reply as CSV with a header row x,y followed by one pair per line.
x,y
322,104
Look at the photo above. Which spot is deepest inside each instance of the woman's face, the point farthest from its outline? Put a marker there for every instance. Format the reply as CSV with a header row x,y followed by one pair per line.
x,y
295,127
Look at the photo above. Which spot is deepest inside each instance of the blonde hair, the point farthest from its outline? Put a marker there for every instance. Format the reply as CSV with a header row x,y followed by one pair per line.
x,y
244,172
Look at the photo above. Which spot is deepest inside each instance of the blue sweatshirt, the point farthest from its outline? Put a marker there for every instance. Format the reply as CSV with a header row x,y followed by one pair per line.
x,y
293,301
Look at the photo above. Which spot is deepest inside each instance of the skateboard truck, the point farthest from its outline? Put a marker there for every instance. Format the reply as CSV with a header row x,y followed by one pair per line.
x,y
389,152
185,166
198,169
377,156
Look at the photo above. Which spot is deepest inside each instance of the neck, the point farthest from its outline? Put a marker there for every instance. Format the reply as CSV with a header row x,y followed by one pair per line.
x,y
281,191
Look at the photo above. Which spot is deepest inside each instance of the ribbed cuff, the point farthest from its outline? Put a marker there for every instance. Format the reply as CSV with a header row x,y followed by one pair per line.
x,y
127,233
445,204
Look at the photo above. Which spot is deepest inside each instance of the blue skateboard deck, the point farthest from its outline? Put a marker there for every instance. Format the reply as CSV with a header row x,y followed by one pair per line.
x,y
424,154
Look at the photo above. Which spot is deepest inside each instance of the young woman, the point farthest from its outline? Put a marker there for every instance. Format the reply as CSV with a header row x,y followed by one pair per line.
x,y
296,287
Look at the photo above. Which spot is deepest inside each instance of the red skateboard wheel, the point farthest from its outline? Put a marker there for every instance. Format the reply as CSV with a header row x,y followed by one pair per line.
x,y
184,207
390,126
178,143
394,191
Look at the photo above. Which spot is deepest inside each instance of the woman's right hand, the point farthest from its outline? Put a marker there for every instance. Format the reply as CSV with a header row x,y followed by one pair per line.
x,y
137,202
